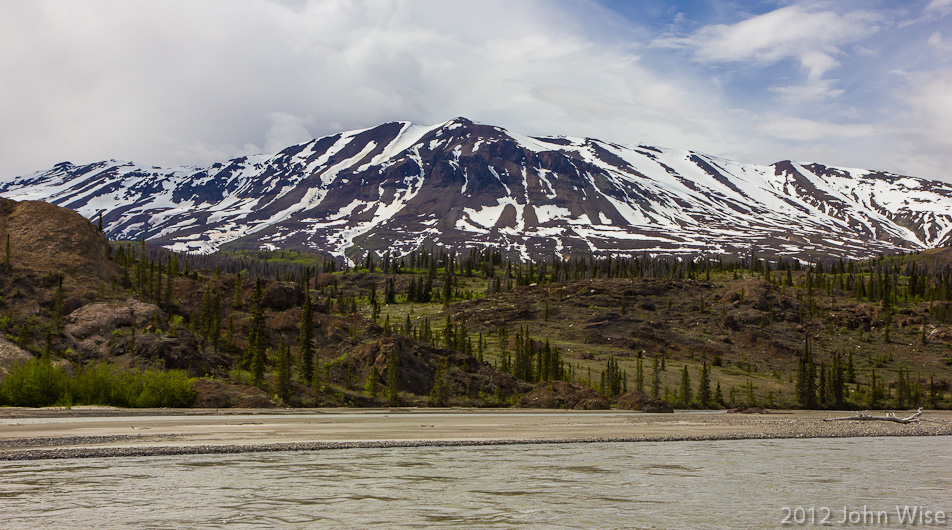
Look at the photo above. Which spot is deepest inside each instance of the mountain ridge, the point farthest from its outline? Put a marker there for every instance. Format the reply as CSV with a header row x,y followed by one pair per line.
x,y
397,186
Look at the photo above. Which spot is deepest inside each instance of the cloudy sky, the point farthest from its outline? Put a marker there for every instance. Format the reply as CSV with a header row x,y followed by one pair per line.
x,y
858,83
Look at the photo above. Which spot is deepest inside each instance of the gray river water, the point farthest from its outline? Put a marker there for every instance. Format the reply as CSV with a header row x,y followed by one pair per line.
x,y
723,484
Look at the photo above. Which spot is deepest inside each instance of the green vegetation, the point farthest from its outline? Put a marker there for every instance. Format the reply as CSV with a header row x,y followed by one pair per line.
x,y
710,332
838,307
39,383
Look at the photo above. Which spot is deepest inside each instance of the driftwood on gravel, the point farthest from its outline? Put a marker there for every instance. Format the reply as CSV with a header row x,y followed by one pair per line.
x,y
889,416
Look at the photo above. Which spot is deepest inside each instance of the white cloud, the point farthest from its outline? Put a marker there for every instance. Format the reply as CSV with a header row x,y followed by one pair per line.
x,y
924,128
795,31
808,34
199,81
806,130
939,7
187,82
286,129
940,46
817,63
815,91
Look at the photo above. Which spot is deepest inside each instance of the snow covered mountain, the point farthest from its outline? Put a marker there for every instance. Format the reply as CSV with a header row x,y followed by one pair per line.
x,y
398,186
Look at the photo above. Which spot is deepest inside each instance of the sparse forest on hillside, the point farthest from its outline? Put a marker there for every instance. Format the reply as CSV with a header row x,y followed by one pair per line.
x,y
473,328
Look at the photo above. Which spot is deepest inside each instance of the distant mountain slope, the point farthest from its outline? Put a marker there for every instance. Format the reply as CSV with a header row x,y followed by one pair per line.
x,y
457,184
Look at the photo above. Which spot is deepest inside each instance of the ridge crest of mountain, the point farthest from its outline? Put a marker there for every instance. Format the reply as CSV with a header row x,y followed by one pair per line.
x,y
459,184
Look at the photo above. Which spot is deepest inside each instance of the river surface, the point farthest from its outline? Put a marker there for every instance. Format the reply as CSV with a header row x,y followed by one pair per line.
x,y
713,484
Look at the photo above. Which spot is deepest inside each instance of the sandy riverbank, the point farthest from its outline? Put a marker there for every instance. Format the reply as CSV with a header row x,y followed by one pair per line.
x,y
98,432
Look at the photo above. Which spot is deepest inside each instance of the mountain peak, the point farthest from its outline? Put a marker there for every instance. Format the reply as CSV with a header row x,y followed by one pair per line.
x,y
460,120
460,184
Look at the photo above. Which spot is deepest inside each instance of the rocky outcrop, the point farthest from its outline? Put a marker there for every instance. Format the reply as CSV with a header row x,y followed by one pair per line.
x,y
102,331
642,402
11,355
49,238
89,329
182,353
211,393
282,295
564,395
102,318
418,365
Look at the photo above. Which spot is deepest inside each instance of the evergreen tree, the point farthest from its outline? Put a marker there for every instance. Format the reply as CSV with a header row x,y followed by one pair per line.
x,y
751,400
640,375
612,380
447,290
167,297
806,378
284,371
257,336
933,393
391,292
393,374
373,381
440,394
850,370
306,338
837,381
237,301
684,395
704,386
656,379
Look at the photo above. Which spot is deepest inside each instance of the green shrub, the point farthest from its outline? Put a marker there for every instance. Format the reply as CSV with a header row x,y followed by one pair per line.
x,y
162,389
98,384
36,383
39,384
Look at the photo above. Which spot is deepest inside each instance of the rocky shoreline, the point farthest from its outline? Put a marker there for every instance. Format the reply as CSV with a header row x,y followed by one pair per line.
x,y
51,435
112,452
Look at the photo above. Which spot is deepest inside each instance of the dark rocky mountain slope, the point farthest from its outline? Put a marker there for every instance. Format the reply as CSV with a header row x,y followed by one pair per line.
x,y
460,184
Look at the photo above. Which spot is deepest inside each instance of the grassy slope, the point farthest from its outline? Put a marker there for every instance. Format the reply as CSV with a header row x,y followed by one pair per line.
x,y
756,328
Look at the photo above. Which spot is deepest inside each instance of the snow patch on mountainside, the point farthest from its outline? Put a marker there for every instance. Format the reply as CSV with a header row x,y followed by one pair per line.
x,y
459,184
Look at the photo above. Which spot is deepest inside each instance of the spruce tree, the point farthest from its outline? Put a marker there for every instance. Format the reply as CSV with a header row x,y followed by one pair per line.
x,y
850,369
704,387
257,336
393,380
370,385
685,393
236,300
284,371
837,381
640,375
306,338
806,378
167,297
440,393
656,379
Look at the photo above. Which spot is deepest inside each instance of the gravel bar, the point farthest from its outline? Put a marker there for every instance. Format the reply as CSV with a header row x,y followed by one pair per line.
x,y
41,435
